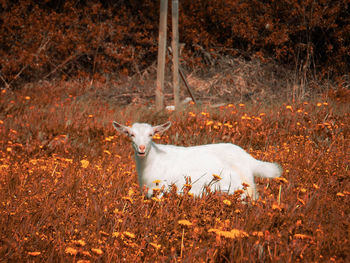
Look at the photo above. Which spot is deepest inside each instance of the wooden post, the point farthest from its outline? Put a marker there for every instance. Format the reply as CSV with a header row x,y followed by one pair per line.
x,y
175,47
161,54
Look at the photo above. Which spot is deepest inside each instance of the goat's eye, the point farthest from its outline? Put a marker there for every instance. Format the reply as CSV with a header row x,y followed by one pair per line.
x,y
151,134
132,135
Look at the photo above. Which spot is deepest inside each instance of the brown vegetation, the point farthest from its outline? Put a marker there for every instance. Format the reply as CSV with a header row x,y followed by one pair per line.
x,y
68,188
69,191
41,40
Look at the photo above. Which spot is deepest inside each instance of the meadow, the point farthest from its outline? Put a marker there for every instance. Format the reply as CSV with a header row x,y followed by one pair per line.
x,y
69,192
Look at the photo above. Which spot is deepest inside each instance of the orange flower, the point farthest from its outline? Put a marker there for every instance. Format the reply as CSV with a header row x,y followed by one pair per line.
x,y
84,163
34,254
97,251
227,202
184,222
71,251
156,246
79,242
302,236
217,177
234,233
128,234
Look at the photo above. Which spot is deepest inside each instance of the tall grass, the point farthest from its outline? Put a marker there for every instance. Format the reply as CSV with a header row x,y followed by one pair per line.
x,y
69,191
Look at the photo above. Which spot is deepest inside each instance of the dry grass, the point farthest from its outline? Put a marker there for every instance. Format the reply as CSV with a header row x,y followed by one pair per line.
x,y
69,191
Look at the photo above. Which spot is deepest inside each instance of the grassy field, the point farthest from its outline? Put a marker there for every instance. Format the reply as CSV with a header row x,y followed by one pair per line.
x,y
69,191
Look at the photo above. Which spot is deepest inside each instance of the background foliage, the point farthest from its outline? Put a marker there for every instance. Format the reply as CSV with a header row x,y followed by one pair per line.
x,y
44,39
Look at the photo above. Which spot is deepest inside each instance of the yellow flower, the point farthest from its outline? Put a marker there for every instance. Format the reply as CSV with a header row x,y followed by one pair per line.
x,y
184,222
84,163
128,234
234,233
302,236
79,242
217,177
71,251
276,207
227,202
156,246
97,251
34,254
156,181
281,180
115,234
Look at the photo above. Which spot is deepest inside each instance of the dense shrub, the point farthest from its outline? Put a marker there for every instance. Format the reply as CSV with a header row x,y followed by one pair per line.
x,y
46,39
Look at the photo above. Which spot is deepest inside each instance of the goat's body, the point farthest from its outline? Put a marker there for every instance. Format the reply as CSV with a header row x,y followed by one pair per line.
x,y
161,166
166,165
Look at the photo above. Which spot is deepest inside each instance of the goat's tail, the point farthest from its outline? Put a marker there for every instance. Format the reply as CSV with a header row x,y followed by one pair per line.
x,y
266,169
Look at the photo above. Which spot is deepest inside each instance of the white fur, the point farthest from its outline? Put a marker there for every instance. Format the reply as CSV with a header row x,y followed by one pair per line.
x,y
171,164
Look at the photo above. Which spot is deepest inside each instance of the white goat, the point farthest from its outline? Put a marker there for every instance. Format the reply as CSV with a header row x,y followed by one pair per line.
x,y
161,165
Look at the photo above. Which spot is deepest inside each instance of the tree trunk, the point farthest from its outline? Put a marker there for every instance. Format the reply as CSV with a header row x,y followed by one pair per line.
x,y
175,47
161,54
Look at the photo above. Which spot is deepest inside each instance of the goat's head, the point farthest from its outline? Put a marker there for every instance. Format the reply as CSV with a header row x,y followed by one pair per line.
x,y
141,135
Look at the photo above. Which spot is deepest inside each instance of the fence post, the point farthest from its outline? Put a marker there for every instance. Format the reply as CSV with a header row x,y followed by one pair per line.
x,y
161,54
175,48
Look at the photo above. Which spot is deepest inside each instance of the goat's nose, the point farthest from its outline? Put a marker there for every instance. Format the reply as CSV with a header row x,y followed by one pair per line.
x,y
142,148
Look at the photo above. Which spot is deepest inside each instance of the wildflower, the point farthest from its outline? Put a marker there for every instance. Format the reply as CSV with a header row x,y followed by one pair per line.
x,y
79,242
156,246
234,233
276,207
90,115
127,198
288,107
258,234
217,177
128,234
156,137
184,222
108,152
156,199
303,190
34,254
281,180
156,182
27,97
302,236
208,123
319,104
71,251
340,194
227,202
97,251
115,234
84,163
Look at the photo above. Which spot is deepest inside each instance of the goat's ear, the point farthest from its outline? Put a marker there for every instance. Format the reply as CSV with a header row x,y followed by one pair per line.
x,y
161,128
121,128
